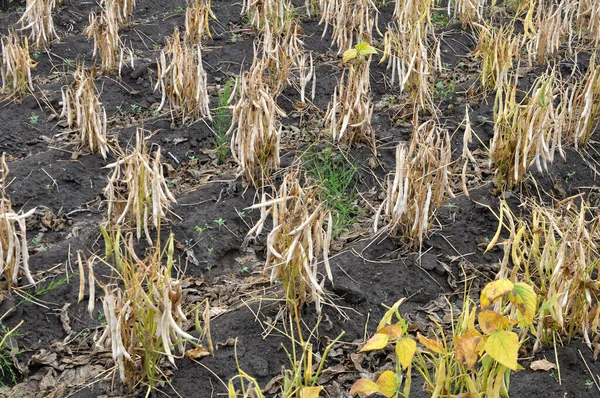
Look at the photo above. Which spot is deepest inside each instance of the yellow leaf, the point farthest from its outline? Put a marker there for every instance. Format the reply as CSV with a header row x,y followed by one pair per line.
x,y
503,346
388,385
393,331
466,347
489,321
310,392
524,298
364,387
349,55
431,344
377,342
405,350
494,290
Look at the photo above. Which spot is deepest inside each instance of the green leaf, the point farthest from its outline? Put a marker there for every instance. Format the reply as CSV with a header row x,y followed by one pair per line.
x,y
365,48
503,346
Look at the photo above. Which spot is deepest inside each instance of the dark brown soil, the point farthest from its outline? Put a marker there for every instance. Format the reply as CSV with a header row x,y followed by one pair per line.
x,y
368,272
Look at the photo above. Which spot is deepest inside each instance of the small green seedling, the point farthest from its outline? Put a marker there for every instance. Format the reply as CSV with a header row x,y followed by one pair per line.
x,y
33,118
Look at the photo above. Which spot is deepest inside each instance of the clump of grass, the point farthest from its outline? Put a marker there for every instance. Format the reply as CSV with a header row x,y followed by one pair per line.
x,y
302,229
334,175
82,109
182,79
525,133
349,111
145,321
419,185
38,17
256,126
16,66
222,121
7,366
13,235
197,15
136,191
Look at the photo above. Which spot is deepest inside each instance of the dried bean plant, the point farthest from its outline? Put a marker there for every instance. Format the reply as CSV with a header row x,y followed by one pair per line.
x,y
256,127
104,29
498,49
274,14
182,79
350,110
582,106
197,15
137,192
407,52
466,11
301,233
352,21
16,66
556,249
419,185
525,133
549,29
144,317
38,18
83,110
13,235
122,9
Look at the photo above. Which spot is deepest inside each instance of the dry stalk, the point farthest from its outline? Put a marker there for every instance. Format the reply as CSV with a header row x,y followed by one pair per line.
x,y
136,191
83,110
419,185
122,9
498,48
104,29
274,14
282,55
197,14
144,316
466,11
301,233
16,66
587,21
352,21
350,110
525,133
38,18
182,79
550,29
582,106
407,55
13,238
255,127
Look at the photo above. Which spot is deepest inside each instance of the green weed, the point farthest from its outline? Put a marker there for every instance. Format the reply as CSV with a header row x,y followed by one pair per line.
x,y
335,176
222,121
